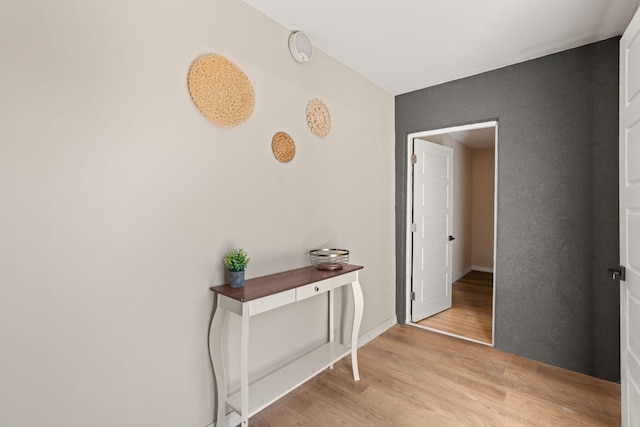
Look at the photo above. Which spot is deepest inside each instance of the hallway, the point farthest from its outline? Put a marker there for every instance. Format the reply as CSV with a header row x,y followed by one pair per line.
x,y
471,309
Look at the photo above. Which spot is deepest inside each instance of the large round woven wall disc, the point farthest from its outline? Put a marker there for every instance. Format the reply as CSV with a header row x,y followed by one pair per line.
x,y
318,118
284,149
221,90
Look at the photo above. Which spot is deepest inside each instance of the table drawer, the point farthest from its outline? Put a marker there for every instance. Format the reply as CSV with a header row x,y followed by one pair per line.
x,y
317,288
326,285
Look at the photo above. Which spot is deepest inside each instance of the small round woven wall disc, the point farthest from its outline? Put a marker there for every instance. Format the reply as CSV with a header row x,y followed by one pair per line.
x,y
318,118
284,149
221,90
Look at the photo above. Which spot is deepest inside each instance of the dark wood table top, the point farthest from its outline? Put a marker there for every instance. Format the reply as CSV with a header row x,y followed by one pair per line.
x,y
263,286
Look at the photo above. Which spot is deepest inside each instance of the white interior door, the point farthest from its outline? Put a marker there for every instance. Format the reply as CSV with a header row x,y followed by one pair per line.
x,y
630,222
432,222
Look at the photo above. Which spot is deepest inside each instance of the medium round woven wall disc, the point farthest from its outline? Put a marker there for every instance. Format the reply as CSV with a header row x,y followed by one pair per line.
x,y
284,149
221,90
318,118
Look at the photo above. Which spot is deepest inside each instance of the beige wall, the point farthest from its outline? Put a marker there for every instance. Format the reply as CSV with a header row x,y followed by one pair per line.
x,y
118,201
483,172
473,202
462,198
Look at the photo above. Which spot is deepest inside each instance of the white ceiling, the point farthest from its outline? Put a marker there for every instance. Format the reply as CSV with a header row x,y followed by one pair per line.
x,y
404,45
475,136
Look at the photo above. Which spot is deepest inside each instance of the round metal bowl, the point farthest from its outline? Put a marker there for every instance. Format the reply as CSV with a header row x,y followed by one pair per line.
x,y
329,259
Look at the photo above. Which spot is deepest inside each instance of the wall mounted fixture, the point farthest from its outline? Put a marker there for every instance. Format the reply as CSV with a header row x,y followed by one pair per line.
x,y
300,47
221,90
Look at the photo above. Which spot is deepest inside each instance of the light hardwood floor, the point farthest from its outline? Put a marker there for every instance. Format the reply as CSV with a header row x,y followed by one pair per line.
x,y
415,377
471,309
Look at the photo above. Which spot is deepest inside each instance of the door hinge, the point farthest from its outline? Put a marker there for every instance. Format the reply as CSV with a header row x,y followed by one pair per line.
x,y
414,227
413,296
414,159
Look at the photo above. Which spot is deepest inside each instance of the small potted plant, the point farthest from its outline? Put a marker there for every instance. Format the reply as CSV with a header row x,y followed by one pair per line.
x,y
236,262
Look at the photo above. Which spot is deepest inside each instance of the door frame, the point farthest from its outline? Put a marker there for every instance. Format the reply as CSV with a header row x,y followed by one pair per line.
x,y
408,209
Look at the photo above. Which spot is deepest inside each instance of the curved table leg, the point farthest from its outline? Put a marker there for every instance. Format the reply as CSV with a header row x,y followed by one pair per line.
x,y
358,309
215,352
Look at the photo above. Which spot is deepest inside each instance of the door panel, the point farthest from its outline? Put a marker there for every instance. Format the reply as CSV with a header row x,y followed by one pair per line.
x,y
435,196
434,287
630,223
432,215
633,152
433,226
435,165
634,319
633,246
434,257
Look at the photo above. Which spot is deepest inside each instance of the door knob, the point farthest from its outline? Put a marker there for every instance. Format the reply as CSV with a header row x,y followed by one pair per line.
x,y
617,273
451,238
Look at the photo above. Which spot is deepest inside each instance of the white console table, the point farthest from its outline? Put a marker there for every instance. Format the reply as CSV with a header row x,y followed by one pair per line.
x,y
268,293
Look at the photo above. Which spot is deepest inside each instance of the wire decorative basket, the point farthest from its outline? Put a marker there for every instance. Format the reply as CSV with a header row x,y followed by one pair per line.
x,y
329,259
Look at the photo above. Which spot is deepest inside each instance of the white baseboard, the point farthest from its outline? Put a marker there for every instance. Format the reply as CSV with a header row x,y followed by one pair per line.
x,y
482,269
375,332
460,275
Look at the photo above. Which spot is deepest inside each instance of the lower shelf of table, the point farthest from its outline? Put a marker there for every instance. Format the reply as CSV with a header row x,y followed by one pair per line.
x,y
272,387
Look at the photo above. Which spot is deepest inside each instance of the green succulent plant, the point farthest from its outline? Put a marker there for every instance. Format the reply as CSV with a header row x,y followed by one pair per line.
x,y
236,260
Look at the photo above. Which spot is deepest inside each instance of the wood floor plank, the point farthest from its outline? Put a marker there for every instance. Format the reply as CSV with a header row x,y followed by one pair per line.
x,y
415,377
471,312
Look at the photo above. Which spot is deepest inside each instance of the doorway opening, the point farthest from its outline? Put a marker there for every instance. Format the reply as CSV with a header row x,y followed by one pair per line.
x,y
451,215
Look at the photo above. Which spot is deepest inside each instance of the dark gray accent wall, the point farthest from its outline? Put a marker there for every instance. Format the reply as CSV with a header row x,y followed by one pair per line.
x,y
557,216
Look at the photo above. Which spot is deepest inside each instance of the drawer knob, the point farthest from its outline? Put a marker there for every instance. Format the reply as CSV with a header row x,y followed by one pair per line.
x,y
316,289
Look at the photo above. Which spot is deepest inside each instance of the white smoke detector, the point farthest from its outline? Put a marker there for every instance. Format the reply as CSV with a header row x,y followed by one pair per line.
x,y
300,47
